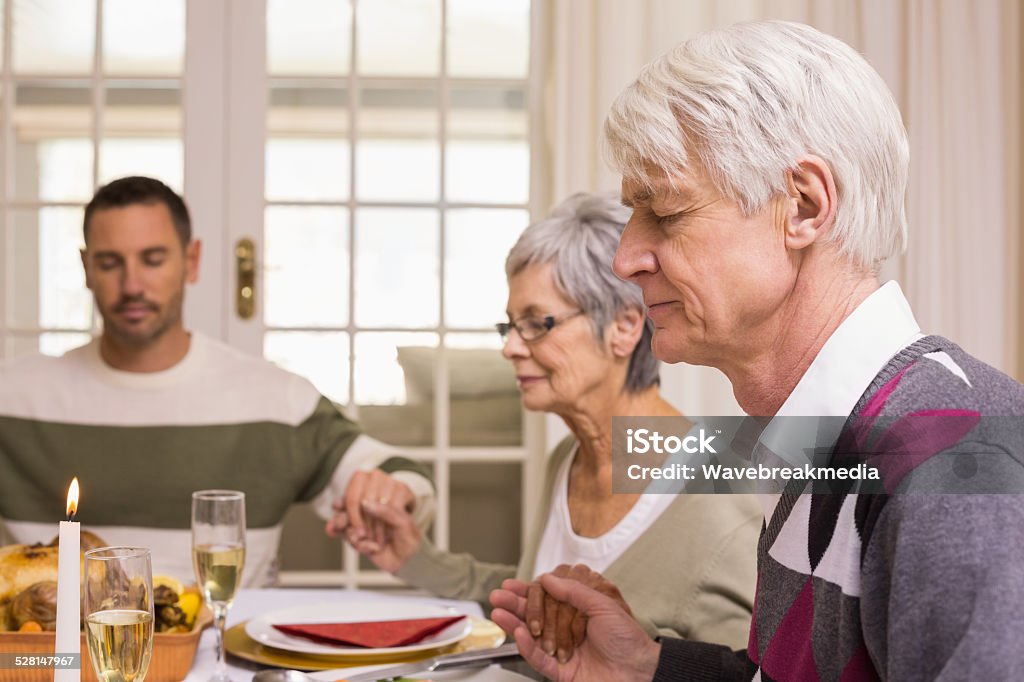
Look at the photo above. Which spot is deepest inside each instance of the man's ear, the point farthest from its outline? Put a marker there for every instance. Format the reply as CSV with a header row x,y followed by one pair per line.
x,y
192,257
626,331
811,208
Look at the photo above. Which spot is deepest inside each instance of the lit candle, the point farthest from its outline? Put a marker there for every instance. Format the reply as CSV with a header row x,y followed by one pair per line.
x,y
69,619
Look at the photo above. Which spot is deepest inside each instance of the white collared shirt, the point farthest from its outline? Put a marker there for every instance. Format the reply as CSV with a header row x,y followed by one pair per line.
x,y
879,328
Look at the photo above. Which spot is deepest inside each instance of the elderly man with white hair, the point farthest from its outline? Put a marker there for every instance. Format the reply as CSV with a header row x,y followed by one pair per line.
x,y
766,166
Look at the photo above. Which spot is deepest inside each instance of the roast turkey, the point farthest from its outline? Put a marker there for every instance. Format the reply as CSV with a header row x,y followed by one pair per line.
x,y
22,566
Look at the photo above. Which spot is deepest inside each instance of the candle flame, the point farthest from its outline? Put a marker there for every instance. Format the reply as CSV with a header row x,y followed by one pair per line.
x,y
73,498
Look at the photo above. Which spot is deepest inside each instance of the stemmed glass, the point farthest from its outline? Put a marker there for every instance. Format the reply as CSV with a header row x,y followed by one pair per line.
x,y
218,554
119,612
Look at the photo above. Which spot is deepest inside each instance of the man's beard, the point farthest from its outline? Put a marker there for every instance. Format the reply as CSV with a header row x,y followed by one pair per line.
x,y
165,318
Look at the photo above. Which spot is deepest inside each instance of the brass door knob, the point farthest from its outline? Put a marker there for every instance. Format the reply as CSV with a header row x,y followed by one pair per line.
x,y
245,269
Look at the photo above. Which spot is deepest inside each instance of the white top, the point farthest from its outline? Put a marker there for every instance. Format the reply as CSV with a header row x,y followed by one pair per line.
x,y
560,544
880,327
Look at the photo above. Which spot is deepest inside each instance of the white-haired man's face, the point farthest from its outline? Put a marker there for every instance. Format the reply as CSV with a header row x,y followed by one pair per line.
x,y
714,280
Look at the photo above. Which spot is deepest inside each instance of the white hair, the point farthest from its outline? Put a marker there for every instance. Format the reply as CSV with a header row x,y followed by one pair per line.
x,y
749,101
579,240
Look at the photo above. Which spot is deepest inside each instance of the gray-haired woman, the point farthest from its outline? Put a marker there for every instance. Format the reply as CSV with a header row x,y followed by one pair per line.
x,y
581,346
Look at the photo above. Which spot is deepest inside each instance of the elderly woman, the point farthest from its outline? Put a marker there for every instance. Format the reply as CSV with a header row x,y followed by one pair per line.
x,y
580,343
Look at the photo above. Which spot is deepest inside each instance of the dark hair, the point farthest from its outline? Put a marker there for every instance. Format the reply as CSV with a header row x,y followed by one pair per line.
x,y
137,189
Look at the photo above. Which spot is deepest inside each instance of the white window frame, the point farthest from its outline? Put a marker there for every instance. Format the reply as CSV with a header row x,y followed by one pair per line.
x,y
236,142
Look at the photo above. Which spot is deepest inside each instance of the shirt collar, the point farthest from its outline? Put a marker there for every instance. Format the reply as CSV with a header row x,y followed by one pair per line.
x,y
147,380
879,328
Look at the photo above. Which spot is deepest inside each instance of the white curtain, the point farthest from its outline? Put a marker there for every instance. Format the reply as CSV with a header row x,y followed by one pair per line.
x,y
954,68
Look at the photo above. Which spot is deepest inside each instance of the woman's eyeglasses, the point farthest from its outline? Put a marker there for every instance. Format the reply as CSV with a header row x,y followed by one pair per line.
x,y
533,327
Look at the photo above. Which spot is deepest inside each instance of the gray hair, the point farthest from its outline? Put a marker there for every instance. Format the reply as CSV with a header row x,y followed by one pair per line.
x,y
579,240
748,101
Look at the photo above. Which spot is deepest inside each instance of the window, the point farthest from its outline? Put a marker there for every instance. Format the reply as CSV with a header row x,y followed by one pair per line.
x,y
77,112
396,180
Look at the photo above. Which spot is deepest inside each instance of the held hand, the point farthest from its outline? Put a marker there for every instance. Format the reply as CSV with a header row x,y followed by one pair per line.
x,y
558,626
614,648
401,537
368,486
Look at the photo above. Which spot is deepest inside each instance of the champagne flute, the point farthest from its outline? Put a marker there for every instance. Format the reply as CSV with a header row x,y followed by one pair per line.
x,y
218,554
119,612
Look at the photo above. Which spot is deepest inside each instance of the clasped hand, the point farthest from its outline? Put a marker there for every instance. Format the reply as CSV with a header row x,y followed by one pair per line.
x,y
574,625
375,517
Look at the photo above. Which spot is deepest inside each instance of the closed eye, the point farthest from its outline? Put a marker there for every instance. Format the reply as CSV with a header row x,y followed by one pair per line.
x,y
107,262
665,220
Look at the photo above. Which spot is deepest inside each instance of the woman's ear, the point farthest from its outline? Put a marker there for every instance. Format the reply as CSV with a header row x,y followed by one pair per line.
x,y
626,331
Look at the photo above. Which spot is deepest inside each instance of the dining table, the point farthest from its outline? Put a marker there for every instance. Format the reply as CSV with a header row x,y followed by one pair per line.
x,y
251,603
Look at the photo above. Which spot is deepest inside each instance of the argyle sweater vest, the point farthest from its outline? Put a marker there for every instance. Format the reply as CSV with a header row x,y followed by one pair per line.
x,y
922,579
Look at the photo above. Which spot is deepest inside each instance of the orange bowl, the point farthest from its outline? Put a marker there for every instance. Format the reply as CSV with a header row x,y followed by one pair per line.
x,y
172,654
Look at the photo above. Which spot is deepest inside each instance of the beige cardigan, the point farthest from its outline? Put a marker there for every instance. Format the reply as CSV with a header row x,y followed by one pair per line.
x,y
691,574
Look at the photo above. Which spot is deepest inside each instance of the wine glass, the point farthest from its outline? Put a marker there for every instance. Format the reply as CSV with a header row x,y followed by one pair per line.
x,y
218,554
119,612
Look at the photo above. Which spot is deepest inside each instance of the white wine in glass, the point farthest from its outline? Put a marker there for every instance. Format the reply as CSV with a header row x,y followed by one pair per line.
x,y
219,571
218,556
119,612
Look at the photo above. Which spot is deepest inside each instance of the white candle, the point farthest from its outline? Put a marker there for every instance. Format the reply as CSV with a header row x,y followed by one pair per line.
x,y
69,590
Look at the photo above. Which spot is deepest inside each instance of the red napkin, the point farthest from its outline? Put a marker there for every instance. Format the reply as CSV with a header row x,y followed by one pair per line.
x,y
378,634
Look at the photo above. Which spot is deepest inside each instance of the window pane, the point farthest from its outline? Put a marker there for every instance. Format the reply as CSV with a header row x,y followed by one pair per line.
x,y
57,344
52,126
65,169
399,37
477,243
488,151
385,372
143,37
397,154
489,39
484,400
308,150
486,510
309,37
397,268
321,357
306,266
396,401
46,269
54,36
304,545
307,169
159,158
142,131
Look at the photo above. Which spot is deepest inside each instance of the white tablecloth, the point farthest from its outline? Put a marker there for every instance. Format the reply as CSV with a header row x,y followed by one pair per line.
x,y
250,603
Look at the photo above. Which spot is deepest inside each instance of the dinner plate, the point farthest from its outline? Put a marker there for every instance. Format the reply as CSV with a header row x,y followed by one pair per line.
x,y
262,630
484,635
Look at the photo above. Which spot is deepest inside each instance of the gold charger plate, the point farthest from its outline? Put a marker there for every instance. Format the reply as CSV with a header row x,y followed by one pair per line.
x,y
483,634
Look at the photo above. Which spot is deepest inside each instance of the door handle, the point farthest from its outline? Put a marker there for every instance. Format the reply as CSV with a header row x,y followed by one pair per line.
x,y
245,269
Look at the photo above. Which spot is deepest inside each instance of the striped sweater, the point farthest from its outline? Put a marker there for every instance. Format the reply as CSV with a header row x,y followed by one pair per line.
x,y
141,443
920,580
